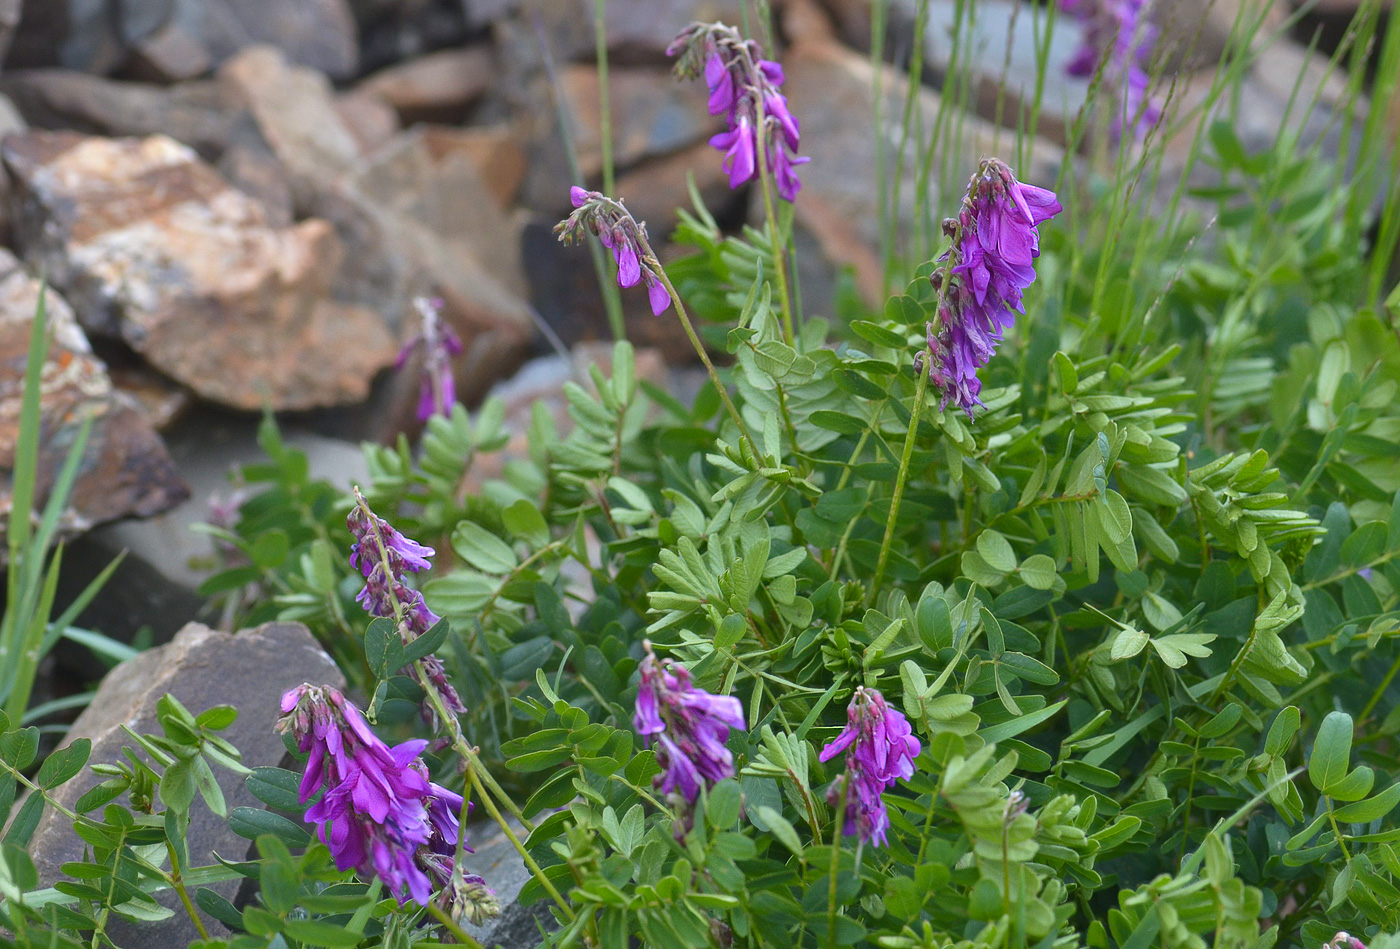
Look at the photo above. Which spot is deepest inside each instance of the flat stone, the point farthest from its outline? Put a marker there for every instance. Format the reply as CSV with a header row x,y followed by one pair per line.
x,y
153,246
294,108
371,121
201,668
170,54
319,34
497,152
125,469
838,205
194,113
436,87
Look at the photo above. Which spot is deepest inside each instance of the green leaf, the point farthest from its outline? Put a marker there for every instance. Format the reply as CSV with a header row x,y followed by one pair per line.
x,y
879,335
64,764
1281,732
250,822
780,828
1128,643
1373,808
524,520
1331,754
313,932
996,551
430,642
723,804
1038,572
483,549
275,787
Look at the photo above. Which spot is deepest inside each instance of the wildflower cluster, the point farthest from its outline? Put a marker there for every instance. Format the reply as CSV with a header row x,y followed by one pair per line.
x,y
383,555
379,812
744,89
1118,35
880,748
627,238
439,343
990,263
690,726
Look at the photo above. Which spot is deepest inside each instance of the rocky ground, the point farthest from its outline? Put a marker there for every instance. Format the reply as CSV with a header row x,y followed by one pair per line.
x,y
234,203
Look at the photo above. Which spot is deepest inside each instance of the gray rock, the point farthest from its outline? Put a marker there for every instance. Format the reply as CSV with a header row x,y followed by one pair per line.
x,y
9,21
201,667
498,862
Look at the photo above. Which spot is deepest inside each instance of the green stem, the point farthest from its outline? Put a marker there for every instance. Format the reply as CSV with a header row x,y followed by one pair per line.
x,y
920,390
458,933
178,882
776,243
836,862
519,847
600,41
651,261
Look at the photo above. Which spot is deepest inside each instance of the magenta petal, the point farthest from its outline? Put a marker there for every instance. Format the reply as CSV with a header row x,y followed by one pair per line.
x,y
660,300
629,267
578,196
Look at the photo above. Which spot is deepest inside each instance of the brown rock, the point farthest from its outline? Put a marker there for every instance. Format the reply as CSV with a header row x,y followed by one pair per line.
x,y
154,246
194,112
163,400
654,191
652,114
170,54
496,151
437,87
294,108
201,668
125,470
372,122
826,85
446,222
255,172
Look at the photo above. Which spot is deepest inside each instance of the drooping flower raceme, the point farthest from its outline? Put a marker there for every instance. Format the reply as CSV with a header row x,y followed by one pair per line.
x,y
744,89
990,263
626,237
880,748
382,555
1118,35
689,725
379,812
439,344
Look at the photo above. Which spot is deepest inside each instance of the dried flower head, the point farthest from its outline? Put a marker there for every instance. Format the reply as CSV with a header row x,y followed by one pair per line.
x,y
991,261
379,812
1118,36
439,343
744,89
880,748
596,213
690,726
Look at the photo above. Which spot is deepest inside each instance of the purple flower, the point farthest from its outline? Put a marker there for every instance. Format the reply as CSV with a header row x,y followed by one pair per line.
x,y
379,812
690,726
1118,36
1344,940
439,343
624,236
744,89
384,587
880,749
991,262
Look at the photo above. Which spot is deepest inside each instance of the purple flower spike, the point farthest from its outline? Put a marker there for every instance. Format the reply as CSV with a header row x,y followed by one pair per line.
x,y
439,343
1117,36
690,726
378,812
880,748
991,262
744,89
384,585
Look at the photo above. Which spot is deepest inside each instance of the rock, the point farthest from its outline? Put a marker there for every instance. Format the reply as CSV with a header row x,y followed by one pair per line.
x,y
77,34
163,400
1196,33
170,54
642,29
193,113
652,114
207,446
496,151
9,22
397,30
372,122
153,246
838,205
255,172
318,34
999,42
498,862
442,216
201,667
125,469
294,108
437,87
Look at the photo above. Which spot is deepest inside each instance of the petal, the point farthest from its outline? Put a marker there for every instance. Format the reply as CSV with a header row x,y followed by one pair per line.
x,y
578,196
